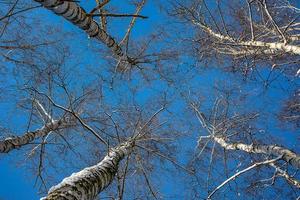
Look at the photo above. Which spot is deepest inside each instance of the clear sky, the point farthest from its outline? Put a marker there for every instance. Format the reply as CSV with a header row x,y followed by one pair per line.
x,y
17,181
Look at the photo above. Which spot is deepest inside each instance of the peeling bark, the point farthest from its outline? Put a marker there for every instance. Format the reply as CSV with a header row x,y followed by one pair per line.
x,y
286,154
78,16
11,143
89,182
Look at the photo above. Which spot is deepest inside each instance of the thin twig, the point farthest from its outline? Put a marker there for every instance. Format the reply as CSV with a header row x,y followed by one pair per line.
x,y
42,111
99,6
124,178
285,175
126,36
86,126
242,172
273,22
140,133
147,180
18,12
167,158
251,20
118,15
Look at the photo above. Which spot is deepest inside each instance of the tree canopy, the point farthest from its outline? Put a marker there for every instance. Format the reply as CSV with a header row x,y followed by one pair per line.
x,y
145,99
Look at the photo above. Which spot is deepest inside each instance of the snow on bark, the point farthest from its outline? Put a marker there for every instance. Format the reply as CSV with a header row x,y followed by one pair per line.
x,y
11,143
78,16
89,182
286,154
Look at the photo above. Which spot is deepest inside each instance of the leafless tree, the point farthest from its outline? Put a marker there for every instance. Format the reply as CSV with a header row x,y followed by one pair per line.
x,y
232,139
119,116
291,110
246,33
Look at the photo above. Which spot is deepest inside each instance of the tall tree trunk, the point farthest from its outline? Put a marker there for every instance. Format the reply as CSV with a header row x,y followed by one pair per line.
x,y
78,16
89,182
11,143
286,154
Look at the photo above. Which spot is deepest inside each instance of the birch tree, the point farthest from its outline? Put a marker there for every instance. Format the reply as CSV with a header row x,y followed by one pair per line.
x,y
246,33
13,142
87,183
233,134
74,13
254,38
74,114
98,109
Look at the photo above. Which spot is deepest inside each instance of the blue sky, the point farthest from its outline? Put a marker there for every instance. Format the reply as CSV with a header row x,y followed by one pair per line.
x,y
17,180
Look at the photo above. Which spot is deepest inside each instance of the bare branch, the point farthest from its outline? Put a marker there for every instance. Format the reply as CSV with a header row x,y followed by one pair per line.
x,y
242,172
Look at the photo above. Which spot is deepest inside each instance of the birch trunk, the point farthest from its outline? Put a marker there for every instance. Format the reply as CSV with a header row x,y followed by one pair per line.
x,y
272,46
88,183
15,142
78,16
286,154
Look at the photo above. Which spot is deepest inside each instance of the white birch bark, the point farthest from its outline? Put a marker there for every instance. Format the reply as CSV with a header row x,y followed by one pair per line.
x,y
78,16
285,175
286,154
272,46
89,182
11,143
